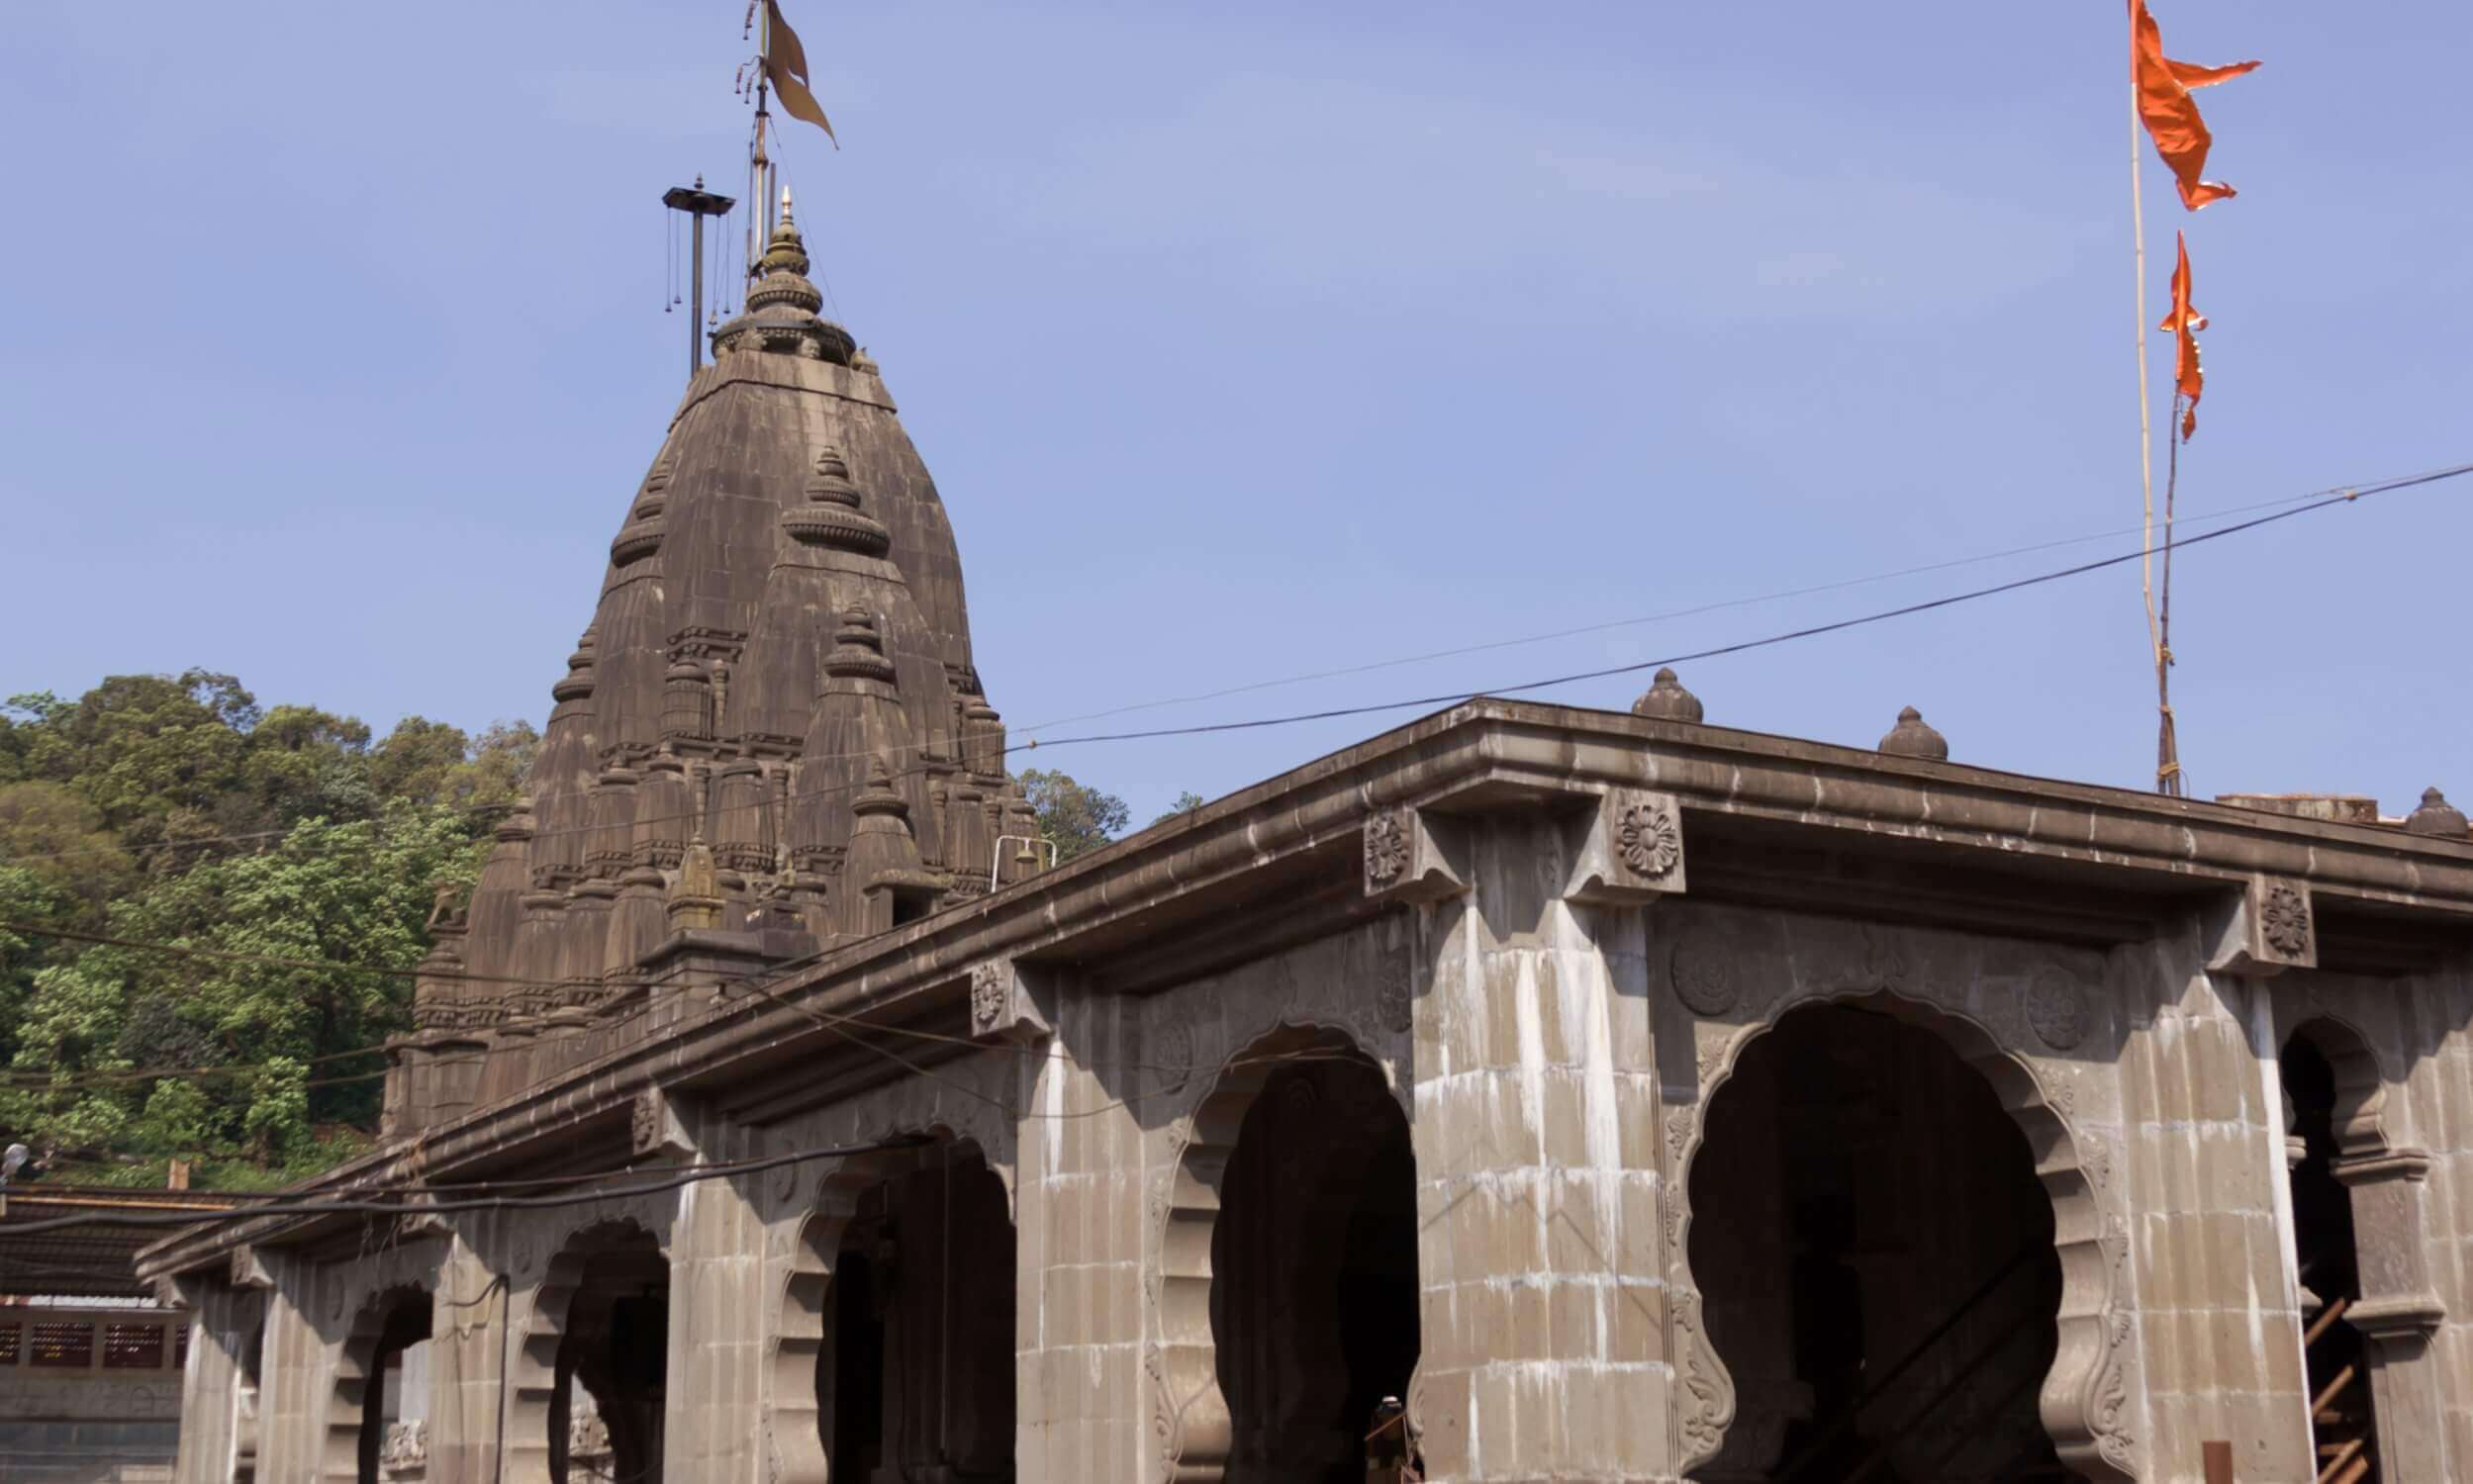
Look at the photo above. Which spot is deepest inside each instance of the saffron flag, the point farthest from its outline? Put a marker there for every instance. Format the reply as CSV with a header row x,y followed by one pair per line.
x,y
785,63
2168,111
2183,324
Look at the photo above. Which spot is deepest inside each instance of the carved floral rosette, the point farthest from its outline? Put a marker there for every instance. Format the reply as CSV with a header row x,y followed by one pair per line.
x,y
2086,1398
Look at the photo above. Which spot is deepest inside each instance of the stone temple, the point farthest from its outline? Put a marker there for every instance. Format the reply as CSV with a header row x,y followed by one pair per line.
x,y
1525,1093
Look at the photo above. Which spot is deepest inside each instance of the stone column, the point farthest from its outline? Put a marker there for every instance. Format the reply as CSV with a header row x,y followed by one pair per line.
x,y
223,1322
468,1344
1534,1130
2218,1306
2398,1311
1080,1407
713,1425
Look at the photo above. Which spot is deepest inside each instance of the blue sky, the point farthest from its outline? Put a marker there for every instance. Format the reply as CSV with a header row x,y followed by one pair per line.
x,y
1251,340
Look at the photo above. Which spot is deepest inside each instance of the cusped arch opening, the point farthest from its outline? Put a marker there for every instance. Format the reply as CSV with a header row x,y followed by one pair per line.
x,y
896,1355
381,1385
1894,1249
2332,1097
1289,1298
590,1380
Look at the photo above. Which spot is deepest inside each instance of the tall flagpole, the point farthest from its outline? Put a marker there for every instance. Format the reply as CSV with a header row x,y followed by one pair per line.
x,y
2146,437
759,168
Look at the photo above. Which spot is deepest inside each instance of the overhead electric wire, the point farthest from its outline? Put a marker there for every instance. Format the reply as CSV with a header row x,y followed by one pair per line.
x,y
1809,632
2316,500
2341,497
1715,606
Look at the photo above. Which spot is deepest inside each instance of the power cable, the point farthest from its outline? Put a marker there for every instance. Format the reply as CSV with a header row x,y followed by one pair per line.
x,y
2344,497
1810,631
2316,500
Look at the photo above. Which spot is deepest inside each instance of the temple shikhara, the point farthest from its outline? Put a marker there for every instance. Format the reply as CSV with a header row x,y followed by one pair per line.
x,y
1525,1093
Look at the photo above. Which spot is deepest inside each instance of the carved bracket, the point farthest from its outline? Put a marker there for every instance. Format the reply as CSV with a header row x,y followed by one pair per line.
x,y
249,1268
2267,928
1412,855
1631,850
655,1128
1002,1007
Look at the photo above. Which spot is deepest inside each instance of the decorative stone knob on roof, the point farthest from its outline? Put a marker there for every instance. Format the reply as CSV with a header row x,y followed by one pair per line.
x,y
2437,818
1666,700
831,515
1912,738
780,312
878,796
518,823
857,651
577,682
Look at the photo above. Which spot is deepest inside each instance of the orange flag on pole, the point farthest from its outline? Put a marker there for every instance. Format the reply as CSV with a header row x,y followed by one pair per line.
x,y
2183,324
2169,112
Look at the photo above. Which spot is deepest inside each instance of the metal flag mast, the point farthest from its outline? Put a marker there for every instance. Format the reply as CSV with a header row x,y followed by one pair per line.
x,y
2167,745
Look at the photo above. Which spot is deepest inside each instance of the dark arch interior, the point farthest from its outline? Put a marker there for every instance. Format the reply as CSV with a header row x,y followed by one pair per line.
x,y
1314,1298
915,1378
1874,1254
2341,1425
616,1347
406,1324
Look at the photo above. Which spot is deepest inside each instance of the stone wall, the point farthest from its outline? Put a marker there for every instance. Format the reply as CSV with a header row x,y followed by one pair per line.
x,y
1556,1017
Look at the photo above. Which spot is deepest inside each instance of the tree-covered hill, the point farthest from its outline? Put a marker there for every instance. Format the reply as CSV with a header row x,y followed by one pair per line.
x,y
194,893
175,810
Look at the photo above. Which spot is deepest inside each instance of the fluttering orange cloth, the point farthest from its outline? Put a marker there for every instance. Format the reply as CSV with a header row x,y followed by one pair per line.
x,y
785,63
2183,324
2169,112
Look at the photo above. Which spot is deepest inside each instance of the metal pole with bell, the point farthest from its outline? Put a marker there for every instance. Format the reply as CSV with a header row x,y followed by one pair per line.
x,y
699,204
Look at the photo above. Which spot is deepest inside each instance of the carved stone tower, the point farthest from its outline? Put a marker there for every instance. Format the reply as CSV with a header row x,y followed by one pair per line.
x,y
770,739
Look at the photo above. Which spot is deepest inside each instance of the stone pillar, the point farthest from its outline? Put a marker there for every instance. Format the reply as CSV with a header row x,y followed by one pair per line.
x,y
468,1344
2398,1311
2218,1306
1080,1412
714,1422
1535,1129
214,1430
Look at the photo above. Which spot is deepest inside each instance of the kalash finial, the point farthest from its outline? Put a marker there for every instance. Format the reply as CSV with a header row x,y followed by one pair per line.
x,y
781,313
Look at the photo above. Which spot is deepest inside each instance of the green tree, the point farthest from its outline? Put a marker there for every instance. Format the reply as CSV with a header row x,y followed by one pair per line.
x,y
1186,802
1077,818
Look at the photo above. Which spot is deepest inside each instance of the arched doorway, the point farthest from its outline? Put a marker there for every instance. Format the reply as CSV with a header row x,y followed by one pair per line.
x,y
371,1389
399,1379
897,1350
2344,1424
1312,1289
916,1377
1874,1252
613,1344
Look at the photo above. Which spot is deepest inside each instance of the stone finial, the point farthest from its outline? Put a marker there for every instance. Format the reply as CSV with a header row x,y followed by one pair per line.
x,y
1912,737
1667,701
577,682
2438,818
780,315
878,796
516,826
832,514
857,650
695,899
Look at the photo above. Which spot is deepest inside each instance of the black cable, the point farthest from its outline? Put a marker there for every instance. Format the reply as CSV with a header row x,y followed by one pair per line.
x,y
1455,697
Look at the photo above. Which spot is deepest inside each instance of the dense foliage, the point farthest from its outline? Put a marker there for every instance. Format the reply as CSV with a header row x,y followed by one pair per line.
x,y
1076,817
174,810
294,853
